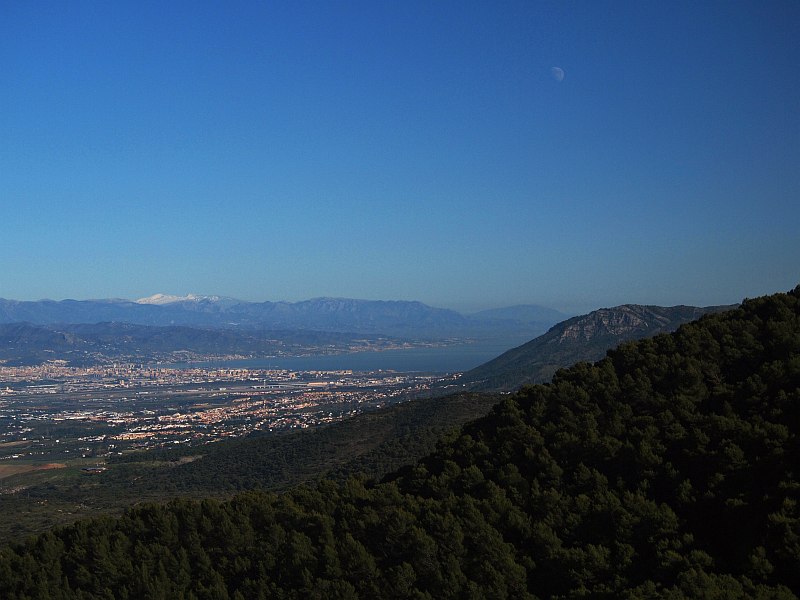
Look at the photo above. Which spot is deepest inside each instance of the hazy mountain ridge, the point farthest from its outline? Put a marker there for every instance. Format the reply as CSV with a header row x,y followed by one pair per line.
x,y
584,337
387,317
347,314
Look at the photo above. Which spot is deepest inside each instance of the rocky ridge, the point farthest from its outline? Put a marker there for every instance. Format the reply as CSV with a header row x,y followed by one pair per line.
x,y
585,337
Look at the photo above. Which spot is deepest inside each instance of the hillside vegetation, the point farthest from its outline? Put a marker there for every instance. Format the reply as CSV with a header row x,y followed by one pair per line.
x,y
667,470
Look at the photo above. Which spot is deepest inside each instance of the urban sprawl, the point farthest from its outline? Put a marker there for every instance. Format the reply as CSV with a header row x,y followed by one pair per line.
x,y
55,412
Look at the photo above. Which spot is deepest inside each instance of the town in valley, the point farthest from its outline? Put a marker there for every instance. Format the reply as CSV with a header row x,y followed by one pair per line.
x,y
53,414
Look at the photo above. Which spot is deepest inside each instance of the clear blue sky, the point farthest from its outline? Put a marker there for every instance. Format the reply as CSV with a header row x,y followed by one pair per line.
x,y
401,150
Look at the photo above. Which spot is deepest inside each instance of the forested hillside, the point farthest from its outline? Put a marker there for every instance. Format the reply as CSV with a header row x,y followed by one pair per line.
x,y
667,470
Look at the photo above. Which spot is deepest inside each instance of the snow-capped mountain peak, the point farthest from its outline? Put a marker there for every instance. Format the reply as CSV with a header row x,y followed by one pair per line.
x,y
164,299
161,299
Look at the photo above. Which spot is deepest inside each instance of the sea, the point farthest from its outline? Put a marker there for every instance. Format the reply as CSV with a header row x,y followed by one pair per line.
x,y
441,359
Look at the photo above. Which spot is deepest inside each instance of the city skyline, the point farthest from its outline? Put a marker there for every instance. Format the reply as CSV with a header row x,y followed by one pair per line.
x,y
465,155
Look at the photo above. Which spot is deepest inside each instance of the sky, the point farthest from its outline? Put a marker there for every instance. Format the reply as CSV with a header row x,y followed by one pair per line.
x,y
465,154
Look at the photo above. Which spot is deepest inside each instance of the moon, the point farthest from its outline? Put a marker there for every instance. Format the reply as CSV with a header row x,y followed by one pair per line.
x,y
557,73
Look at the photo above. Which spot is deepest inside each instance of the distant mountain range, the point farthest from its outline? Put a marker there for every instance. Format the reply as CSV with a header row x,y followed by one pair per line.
x,y
395,318
172,328
586,337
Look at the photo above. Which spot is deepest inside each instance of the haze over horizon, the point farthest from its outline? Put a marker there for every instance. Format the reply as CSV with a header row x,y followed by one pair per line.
x,y
467,156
